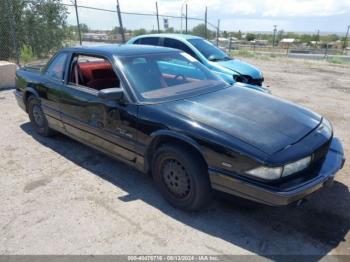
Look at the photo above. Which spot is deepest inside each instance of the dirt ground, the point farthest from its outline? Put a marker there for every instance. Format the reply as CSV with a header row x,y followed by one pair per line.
x,y
60,197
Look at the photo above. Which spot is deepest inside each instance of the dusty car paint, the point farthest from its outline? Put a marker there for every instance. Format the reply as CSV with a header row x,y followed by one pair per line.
x,y
234,129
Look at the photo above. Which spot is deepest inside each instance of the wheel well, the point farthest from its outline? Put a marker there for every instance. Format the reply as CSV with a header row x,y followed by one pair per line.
x,y
165,139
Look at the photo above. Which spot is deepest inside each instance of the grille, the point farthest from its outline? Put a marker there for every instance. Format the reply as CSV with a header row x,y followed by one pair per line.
x,y
257,82
249,80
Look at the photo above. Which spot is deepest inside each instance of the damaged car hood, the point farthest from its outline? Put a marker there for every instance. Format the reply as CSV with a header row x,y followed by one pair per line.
x,y
241,68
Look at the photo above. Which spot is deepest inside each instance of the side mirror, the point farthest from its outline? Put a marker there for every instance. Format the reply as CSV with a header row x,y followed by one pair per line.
x,y
111,94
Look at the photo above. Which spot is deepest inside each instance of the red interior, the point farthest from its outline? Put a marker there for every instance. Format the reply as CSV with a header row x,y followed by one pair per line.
x,y
98,75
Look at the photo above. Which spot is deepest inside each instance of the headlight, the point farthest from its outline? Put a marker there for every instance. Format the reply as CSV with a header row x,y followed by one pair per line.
x,y
272,173
269,173
240,78
327,126
296,166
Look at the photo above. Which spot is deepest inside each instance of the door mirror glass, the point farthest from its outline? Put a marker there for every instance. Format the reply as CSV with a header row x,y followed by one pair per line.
x,y
111,94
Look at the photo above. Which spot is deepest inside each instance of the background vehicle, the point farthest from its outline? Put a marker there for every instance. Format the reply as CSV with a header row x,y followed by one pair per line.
x,y
160,110
230,69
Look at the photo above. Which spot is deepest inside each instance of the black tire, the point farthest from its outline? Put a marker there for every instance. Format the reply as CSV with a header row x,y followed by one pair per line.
x,y
37,117
181,176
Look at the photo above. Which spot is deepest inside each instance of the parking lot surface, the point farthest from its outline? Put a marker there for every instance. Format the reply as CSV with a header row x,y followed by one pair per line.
x,y
60,197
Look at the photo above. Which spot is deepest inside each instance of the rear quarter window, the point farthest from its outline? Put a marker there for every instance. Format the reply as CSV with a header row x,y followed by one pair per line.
x,y
56,68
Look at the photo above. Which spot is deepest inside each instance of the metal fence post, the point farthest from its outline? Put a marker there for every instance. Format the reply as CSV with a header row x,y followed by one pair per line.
x,y
274,36
345,39
121,28
205,22
326,51
78,23
217,33
230,46
157,17
186,19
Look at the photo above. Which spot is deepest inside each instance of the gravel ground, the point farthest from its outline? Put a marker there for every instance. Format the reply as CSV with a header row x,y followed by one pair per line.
x,y
60,197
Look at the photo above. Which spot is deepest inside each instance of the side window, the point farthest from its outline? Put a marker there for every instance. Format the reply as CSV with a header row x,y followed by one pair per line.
x,y
173,43
149,41
137,42
56,68
93,72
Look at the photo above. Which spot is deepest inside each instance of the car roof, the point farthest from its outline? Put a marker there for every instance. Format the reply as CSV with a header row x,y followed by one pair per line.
x,y
174,36
120,49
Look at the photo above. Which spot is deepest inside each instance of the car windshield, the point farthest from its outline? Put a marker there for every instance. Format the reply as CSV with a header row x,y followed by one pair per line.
x,y
210,51
167,76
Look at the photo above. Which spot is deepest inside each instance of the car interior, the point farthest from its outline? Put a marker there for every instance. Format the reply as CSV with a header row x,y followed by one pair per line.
x,y
92,72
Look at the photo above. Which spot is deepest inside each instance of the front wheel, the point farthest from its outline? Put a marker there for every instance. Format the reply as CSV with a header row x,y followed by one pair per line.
x,y
37,117
181,177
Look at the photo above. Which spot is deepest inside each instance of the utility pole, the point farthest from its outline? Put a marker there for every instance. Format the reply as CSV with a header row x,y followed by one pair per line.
x,y
205,22
182,13
345,39
121,28
217,33
186,19
157,18
274,35
78,23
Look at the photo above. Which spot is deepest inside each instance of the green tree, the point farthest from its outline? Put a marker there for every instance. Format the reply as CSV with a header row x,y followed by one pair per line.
x,y
250,37
199,30
239,35
40,25
170,30
304,38
280,35
84,28
116,30
10,27
329,38
140,31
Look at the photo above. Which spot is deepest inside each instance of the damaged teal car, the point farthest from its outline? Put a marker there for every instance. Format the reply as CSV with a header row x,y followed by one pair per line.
x,y
229,69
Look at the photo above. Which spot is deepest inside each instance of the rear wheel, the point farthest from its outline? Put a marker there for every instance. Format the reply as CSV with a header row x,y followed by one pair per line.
x,y
181,177
37,117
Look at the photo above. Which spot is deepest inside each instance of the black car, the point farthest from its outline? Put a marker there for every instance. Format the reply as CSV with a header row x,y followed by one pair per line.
x,y
163,112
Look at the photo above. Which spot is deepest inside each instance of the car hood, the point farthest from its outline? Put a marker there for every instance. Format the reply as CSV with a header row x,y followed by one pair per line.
x,y
263,121
241,68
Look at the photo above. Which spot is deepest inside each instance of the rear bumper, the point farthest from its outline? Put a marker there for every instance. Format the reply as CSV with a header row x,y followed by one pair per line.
x,y
20,99
275,196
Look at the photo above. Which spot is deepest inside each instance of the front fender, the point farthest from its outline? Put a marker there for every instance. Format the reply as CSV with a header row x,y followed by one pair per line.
x,y
32,91
28,91
175,135
161,134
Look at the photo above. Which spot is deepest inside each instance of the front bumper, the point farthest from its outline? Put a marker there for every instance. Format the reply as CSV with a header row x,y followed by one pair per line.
x,y
274,195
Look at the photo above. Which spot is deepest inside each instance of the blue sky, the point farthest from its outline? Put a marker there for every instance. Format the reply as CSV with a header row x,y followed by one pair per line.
x,y
247,15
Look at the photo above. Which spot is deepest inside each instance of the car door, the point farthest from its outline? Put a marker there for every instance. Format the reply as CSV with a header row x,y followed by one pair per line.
x,y
50,89
106,125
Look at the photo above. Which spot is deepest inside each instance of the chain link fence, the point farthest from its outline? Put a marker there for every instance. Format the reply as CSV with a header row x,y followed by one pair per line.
x,y
35,29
